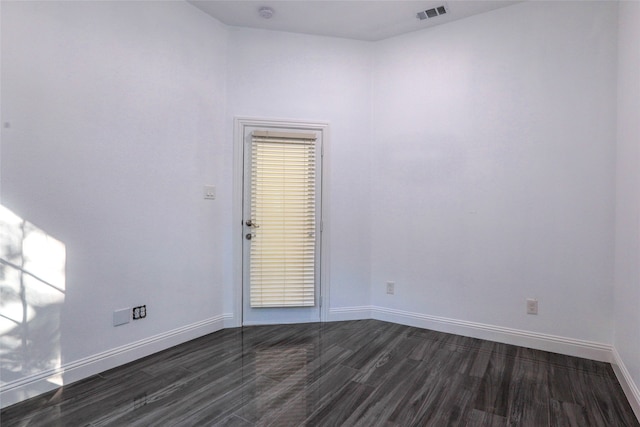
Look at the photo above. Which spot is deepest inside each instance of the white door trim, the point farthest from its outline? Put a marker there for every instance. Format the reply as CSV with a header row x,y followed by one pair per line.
x,y
240,123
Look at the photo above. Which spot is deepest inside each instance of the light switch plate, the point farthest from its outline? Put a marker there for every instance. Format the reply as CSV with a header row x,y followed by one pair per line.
x,y
210,192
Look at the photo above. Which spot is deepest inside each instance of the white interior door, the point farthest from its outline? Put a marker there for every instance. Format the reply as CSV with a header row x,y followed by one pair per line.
x,y
281,225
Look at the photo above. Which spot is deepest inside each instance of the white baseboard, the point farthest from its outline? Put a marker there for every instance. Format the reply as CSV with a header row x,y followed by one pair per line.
x,y
629,387
276,322
42,382
349,313
569,346
230,321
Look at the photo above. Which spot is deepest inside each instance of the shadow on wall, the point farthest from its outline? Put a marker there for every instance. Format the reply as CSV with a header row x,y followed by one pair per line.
x,y
32,291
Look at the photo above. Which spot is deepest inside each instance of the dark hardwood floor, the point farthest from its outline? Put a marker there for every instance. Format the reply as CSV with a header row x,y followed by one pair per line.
x,y
357,373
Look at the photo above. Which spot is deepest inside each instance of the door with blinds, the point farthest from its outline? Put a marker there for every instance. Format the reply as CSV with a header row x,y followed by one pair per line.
x,y
281,225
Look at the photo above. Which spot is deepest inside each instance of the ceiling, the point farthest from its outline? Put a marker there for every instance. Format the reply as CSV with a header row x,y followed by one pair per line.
x,y
351,19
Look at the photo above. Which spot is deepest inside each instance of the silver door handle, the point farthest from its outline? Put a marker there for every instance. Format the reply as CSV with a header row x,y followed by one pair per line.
x,y
250,223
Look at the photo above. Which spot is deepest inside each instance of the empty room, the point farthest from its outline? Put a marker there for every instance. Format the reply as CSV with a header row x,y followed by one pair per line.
x,y
395,213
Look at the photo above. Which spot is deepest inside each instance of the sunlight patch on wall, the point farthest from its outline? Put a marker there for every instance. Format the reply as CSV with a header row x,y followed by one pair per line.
x,y
32,292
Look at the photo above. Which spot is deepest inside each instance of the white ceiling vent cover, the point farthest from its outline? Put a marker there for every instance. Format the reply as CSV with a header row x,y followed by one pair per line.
x,y
431,13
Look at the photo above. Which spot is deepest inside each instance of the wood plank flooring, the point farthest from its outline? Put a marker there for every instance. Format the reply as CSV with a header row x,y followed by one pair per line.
x,y
356,373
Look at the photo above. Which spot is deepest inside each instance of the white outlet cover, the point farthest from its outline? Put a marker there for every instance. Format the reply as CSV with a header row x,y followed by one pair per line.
x,y
391,288
210,192
121,316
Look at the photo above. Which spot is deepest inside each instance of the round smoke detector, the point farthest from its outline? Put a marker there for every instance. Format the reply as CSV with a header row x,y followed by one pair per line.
x,y
265,12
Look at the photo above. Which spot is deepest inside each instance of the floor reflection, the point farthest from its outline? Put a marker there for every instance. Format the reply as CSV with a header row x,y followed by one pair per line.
x,y
288,367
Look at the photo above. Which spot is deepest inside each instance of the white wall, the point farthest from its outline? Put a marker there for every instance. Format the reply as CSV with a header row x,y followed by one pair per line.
x,y
276,75
115,120
493,169
627,272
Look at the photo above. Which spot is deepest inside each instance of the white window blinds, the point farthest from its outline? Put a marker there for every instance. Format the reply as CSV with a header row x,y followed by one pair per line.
x,y
283,211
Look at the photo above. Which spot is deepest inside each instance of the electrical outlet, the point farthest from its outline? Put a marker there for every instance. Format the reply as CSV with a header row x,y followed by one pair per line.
x,y
139,312
532,306
391,288
210,192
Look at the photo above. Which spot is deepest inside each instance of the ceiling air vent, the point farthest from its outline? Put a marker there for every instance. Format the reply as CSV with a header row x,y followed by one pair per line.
x,y
432,13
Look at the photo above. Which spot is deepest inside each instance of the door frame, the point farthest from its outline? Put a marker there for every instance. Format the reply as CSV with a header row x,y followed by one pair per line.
x,y
240,125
